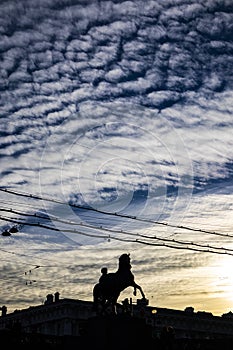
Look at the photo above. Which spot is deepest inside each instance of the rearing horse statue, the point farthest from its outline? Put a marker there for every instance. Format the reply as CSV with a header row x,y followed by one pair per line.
x,y
107,291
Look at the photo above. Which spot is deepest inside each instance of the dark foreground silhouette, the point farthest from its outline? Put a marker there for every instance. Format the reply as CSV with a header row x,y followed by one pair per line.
x,y
116,332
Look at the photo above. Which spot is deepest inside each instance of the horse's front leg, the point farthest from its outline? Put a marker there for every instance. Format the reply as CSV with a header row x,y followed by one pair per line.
x,y
136,286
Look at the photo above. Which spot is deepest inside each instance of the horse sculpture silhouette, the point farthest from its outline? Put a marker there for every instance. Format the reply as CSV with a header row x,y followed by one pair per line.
x,y
107,291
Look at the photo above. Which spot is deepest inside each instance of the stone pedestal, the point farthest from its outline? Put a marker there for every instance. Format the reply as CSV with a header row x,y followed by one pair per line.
x,y
117,333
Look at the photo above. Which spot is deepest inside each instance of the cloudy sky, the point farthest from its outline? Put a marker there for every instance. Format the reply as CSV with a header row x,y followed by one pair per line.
x,y
116,136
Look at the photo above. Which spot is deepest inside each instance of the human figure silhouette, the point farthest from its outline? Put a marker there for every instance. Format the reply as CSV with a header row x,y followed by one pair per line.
x,y
104,272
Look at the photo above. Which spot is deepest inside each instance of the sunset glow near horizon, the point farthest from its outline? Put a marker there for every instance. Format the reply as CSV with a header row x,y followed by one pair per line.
x,y
116,136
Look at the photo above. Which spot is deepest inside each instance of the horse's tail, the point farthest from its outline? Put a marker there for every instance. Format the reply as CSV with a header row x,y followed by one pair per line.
x,y
96,294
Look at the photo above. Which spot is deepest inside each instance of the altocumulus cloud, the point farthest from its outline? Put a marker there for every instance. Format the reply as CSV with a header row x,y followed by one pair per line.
x,y
66,65
101,50
67,68
57,55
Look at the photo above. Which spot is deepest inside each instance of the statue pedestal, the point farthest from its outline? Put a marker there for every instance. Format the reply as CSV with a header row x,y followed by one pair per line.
x,y
117,332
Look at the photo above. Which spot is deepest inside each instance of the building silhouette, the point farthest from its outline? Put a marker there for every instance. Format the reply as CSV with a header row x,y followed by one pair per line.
x,y
72,323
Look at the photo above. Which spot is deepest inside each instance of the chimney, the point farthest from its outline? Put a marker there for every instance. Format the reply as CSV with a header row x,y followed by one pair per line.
x,y
49,299
4,310
56,295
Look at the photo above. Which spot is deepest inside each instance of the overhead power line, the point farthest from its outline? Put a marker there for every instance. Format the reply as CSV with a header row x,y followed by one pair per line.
x,y
148,240
23,194
105,229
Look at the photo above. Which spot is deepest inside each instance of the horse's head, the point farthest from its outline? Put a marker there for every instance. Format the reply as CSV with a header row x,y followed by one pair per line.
x,y
124,259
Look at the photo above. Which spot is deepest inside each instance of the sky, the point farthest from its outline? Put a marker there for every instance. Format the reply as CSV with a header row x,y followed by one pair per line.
x,y
116,137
